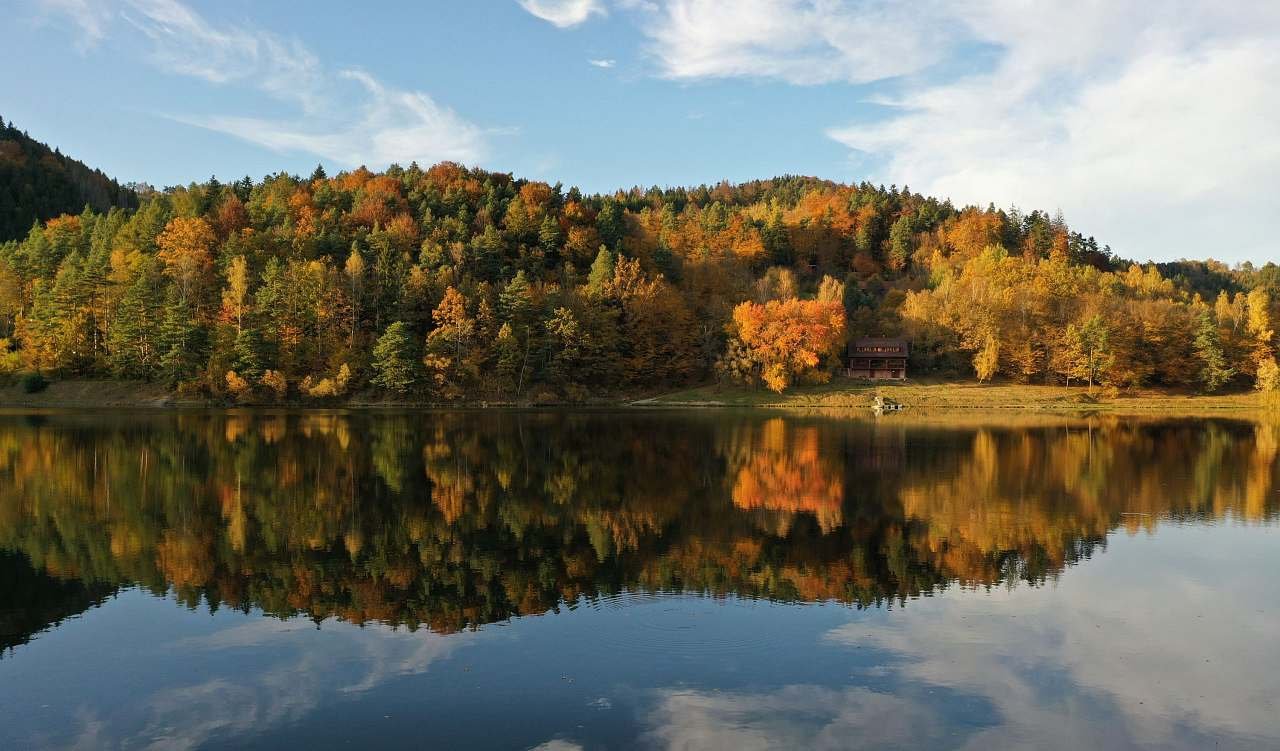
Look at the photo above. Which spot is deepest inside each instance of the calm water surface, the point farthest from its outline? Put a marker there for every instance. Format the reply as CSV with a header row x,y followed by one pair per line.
x,y
598,580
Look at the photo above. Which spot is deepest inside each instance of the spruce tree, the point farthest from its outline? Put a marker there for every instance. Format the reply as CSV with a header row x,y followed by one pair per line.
x,y
609,224
549,235
132,341
601,271
777,244
181,353
395,359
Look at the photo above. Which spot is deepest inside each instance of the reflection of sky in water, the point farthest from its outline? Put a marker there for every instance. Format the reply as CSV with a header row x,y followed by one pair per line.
x,y
1164,640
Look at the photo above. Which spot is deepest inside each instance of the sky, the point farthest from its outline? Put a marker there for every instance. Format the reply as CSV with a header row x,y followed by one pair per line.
x,y
1155,131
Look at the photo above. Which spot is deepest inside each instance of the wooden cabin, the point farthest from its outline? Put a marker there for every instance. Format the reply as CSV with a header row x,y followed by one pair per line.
x,y
878,359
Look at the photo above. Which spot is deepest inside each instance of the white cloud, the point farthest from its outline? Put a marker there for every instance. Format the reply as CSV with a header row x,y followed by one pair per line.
x,y
1152,131
394,126
1163,662
603,63
385,124
801,716
563,13
797,41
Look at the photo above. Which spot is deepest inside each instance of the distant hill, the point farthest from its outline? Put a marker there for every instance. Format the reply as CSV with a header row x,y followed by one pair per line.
x,y
39,183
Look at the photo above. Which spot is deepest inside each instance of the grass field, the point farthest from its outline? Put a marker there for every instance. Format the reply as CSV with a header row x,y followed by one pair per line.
x,y
917,395
843,393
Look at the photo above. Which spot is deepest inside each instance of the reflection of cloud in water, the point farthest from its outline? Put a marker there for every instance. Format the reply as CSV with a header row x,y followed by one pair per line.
x,y
1164,657
810,717
557,745
306,671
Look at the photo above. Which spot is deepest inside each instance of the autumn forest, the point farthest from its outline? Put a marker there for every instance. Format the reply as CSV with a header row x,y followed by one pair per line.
x,y
450,283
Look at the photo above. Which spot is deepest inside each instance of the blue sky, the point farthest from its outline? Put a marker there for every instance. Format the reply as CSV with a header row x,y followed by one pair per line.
x,y
1154,134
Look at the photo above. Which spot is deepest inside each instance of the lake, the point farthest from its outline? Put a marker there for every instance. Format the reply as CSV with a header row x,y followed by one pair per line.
x,y
565,580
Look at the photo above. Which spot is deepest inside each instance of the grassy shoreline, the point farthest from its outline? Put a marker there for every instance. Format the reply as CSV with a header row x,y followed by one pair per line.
x,y
840,394
958,395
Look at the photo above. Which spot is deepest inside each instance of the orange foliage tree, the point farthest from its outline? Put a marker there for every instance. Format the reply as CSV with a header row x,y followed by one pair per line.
x,y
186,249
786,339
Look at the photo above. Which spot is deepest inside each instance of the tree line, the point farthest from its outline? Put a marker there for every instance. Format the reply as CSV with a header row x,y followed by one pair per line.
x,y
452,283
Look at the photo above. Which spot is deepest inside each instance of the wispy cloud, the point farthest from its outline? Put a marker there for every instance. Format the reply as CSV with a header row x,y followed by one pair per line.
x,y
395,126
299,670
564,13
88,17
603,63
378,126
185,43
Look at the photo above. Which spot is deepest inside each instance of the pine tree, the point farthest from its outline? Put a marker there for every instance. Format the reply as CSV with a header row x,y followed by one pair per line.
x,y
601,272
248,350
395,359
515,303
510,360
133,339
177,340
487,251
901,243
777,243
668,263
549,235
609,224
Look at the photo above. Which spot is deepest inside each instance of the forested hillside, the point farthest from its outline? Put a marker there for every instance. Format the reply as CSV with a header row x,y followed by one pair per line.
x,y
38,183
451,283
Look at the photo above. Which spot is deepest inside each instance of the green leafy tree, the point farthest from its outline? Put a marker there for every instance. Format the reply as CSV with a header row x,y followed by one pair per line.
x,y
1214,371
565,343
1089,351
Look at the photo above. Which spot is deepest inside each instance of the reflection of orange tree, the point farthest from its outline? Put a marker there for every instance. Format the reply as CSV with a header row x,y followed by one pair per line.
x,y
781,468
452,520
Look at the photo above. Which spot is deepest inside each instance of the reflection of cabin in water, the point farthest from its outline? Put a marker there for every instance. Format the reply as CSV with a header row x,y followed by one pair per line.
x,y
878,359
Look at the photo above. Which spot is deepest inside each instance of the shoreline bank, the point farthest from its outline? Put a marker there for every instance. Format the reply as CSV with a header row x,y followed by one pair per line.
x,y
838,395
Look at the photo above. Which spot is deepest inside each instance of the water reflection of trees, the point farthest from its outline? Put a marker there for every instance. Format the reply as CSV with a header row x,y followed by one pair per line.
x,y
452,520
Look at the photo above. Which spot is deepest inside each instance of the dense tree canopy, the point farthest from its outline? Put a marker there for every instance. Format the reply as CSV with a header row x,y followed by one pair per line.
x,y
38,183
501,288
